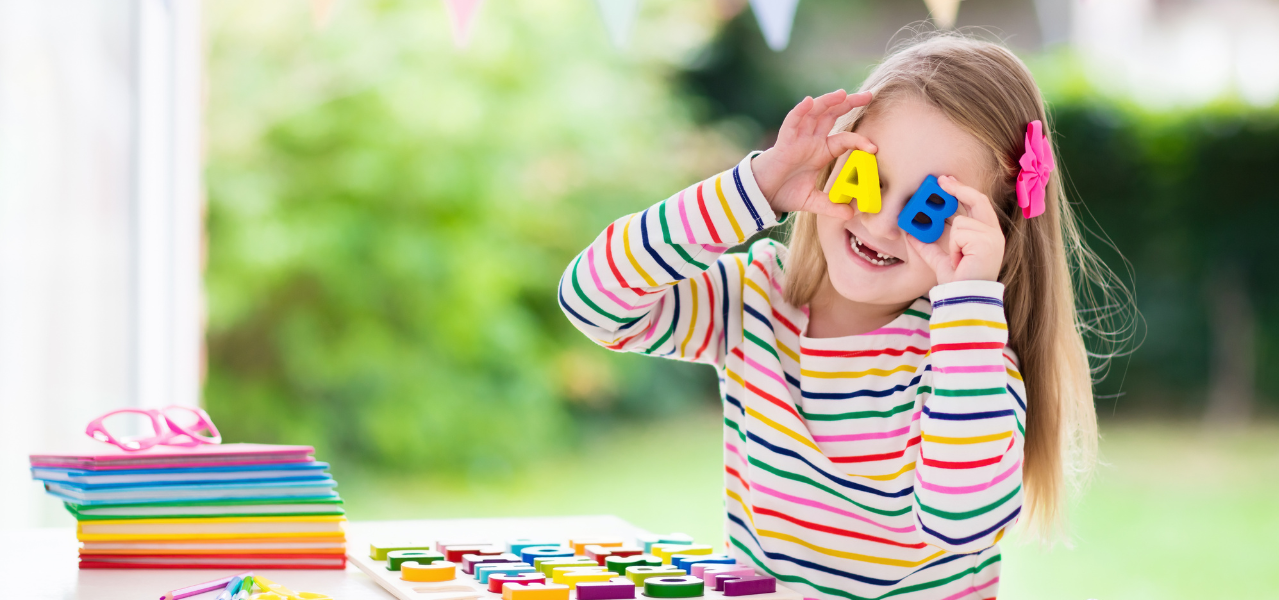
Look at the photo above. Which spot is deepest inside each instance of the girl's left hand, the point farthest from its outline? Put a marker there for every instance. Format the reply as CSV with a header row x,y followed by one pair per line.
x,y
976,245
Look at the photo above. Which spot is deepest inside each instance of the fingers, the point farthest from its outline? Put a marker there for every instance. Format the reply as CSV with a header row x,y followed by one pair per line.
x,y
972,224
976,203
818,115
974,240
968,226
839,143
821,107
934,256
975,235
819,203
978,251
826,121
790,125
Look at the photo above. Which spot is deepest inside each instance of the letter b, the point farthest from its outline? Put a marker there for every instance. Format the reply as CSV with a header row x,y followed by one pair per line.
x,y
925,214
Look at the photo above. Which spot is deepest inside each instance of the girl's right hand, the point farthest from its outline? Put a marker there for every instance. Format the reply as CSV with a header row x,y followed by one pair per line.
x,y
787,173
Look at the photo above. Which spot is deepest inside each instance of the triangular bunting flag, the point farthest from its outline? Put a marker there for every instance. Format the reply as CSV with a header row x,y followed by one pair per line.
x,y
775,19
462,19
943,12
619,19
727,9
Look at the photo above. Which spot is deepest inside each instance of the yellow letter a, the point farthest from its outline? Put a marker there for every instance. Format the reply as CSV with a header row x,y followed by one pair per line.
x,y
858,179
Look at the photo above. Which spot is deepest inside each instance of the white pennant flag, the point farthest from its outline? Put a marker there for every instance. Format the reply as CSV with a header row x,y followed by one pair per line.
x,y
943,12
775,19
462,19
619,19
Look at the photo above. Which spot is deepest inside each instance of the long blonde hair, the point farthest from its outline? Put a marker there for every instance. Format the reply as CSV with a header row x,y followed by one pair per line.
x,y
989,93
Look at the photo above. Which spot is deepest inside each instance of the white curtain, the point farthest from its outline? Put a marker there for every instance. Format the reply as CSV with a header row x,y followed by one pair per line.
x,y
100,231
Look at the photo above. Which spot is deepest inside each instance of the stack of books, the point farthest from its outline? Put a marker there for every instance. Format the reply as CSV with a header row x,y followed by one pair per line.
x,y
211,506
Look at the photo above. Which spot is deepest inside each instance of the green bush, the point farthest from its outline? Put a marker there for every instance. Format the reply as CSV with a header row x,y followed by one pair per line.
x,y
1183,197
389,217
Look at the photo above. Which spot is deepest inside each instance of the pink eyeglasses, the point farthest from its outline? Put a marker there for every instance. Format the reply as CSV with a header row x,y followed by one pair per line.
x,y
170,426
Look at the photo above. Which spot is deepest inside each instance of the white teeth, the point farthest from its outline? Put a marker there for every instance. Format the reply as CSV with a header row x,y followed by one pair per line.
x,y
884,259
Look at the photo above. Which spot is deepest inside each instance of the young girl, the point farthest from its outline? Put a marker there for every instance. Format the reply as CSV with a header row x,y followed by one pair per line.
x,y
891,407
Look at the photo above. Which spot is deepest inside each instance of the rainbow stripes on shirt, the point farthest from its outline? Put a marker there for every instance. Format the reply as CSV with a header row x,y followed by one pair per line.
x,y
880,465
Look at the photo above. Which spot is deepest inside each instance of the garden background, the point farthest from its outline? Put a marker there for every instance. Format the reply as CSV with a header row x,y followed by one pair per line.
x,y
388,216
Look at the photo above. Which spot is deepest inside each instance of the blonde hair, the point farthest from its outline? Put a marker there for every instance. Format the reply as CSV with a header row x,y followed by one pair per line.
x,y
989,93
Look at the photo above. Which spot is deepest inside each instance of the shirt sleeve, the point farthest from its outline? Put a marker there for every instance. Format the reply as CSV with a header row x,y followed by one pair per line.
x,y
658,282
968,486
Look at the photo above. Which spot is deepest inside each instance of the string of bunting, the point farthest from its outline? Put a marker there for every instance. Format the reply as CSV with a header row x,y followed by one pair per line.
x,y
775,17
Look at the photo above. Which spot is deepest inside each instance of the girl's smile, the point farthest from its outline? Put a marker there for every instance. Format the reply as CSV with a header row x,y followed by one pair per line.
x,y
871,257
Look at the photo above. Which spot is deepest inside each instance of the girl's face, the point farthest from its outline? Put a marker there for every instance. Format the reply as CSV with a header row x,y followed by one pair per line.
x,y
867,257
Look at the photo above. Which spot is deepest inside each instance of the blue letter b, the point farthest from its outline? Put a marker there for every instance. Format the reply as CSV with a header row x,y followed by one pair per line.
x,y
925,214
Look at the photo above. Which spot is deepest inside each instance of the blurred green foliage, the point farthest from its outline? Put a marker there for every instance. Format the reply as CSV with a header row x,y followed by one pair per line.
x,y
1185,199
389,216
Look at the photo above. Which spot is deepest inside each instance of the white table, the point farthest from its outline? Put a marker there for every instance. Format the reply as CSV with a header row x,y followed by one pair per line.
x,y
41,563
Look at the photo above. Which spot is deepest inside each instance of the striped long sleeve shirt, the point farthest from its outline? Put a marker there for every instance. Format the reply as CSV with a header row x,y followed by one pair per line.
x,y
886,464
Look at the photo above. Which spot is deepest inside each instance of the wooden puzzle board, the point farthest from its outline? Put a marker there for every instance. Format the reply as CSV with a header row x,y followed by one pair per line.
x,y
465,587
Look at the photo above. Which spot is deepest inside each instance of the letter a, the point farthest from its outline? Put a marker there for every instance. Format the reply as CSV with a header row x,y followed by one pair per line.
x,y
858,179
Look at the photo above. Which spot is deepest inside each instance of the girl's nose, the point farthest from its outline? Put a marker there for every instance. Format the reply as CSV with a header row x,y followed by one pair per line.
x,y
883,224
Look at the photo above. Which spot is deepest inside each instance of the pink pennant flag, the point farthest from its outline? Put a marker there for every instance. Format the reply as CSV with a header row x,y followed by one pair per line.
x,y
727,9
321,13
462,19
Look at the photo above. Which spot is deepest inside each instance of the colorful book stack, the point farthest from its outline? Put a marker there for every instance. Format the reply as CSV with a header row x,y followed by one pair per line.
x,y
211,506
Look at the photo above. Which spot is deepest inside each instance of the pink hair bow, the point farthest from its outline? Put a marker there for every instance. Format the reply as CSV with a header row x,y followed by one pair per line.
x,y
1036,166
